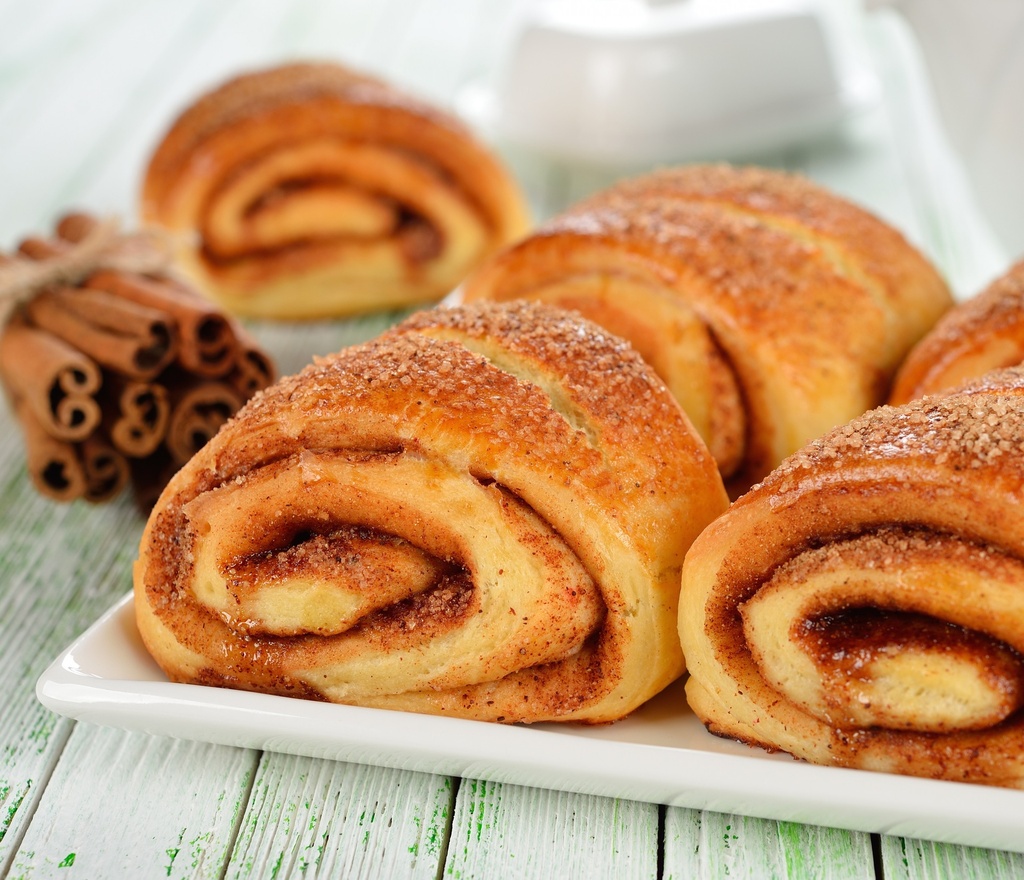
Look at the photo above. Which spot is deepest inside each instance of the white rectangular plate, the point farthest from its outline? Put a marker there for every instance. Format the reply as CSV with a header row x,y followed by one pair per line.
x,y
661,754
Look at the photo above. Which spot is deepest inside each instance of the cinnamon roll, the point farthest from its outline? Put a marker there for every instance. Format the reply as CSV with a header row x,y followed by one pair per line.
x,y
312,190
864,605
773,308
482,513
978,335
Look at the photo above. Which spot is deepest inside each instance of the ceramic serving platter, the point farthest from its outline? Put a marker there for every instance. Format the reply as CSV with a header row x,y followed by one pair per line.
x,y
661,754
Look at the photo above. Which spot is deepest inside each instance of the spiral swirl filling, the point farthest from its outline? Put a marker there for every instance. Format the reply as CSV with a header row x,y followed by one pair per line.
x,y
899,629
375,199
329,571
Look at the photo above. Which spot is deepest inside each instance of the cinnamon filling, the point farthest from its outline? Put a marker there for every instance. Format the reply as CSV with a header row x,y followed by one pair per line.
x,y
900,629
328,583
861,651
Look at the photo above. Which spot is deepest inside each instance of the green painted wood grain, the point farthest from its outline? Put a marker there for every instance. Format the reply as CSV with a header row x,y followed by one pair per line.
x,y
62,566
512,831
704,844
191,810
907,859
317,818
122,804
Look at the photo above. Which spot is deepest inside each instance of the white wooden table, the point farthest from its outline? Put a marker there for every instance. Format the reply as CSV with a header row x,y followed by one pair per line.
x,y
86,86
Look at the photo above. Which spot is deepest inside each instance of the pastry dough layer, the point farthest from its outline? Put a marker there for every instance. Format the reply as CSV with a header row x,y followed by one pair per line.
x,y
773,309
977,336
311,190
483,513
864,605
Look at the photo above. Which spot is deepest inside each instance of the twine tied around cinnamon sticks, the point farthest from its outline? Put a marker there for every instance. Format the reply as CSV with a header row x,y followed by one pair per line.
x,y
93,245
116,370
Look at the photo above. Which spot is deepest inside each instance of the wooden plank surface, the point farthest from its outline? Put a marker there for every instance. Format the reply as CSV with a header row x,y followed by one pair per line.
x,y
904,859
131,805
315,818
62,566
706,844
86,87
502,830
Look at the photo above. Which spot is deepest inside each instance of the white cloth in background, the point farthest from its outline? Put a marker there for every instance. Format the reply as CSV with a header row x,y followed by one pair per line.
x,y
974,50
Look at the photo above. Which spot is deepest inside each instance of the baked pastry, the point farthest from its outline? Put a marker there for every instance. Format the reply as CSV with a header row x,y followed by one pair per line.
x,y
482,513
771,307
864,606
979,335
312,190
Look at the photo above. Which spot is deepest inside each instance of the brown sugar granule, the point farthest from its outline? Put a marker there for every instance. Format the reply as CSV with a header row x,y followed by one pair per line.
x,y
982,424
603,372
364,560
883,548
999,306
430,613
573,368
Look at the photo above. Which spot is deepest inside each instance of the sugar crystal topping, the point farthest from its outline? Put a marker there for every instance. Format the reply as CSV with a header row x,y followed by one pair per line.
x,y
980,426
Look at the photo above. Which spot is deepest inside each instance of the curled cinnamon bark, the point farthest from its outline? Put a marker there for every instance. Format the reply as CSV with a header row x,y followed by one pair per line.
x,y
98,343
53,465
53,380
252,369
132,340
138,415
206,344
118,334
198,409
105,469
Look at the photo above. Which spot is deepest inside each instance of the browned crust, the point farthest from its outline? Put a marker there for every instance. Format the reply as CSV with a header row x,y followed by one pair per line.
x,y
561,418
939,465
297,100
603,374
868,245
853,243
262,93
972,331
797,286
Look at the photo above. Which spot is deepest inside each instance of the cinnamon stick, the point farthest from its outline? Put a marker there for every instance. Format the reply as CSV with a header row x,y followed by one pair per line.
x,y
75,226
105,469
118,334
197,412
122,336
137,415
116,370
253,370
53,379
53,465
206,343
36,248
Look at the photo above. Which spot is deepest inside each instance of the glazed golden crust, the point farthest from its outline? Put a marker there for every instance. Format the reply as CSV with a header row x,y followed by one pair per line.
x,y
773,309
864,605
310,189
869,252
979,335
492,501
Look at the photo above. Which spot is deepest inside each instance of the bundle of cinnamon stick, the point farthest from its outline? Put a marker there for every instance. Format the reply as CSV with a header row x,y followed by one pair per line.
x,y
117,372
